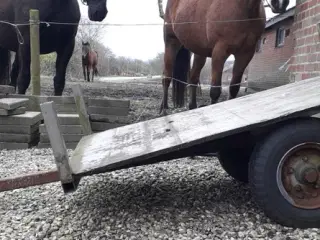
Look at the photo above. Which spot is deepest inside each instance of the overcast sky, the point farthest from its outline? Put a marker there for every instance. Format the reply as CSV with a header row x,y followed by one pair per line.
x,y
141,42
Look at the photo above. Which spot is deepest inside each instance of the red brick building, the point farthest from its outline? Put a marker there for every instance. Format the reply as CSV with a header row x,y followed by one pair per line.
x,y
305,62
274,51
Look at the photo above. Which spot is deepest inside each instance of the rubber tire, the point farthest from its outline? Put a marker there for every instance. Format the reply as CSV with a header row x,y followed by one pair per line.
x,y
262,173
235,161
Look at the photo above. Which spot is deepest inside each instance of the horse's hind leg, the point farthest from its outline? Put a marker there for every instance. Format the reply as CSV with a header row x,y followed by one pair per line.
x,y
15,71
63,57
241,62
4,66
172,47
197,66
23,80
219,56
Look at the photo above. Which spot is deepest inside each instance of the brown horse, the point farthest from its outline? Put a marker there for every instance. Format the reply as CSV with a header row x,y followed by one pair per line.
x,y
210,28
89,61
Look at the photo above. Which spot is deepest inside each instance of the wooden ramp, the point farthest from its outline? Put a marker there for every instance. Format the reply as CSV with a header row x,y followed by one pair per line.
x,y
143,141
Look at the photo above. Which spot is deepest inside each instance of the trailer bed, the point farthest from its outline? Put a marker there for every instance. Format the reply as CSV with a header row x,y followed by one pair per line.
x,y
142,141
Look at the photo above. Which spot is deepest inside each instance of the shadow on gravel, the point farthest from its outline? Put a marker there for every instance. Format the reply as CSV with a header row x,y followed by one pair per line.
x,y
156,189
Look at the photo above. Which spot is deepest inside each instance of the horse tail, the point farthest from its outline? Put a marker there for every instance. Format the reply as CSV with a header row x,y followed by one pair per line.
x,y
5,65
181,72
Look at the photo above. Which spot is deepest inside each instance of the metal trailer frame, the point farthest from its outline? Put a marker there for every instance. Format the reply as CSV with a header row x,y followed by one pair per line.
x,y
287,119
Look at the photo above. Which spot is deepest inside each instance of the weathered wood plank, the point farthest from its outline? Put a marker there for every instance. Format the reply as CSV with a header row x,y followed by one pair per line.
x,y
108,119
35,101
13,103
68,119
19,110
57,142
44,138
69,145
59,99
108,111
28,118
18,138
102,126
65,129
108,102
144,140
6,89
66,108
81,109
14,146
34,179
19,129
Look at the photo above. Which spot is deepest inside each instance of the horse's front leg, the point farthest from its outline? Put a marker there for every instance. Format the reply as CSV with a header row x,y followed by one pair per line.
x,y
63,57
219,56
172,46
23,79
15,71
197,66
84,71
242,60
88,73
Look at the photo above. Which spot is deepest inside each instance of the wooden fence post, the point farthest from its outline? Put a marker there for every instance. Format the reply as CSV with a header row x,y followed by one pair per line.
x,y
35,51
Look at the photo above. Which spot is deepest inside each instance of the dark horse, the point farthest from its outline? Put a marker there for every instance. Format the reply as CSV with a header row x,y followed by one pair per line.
x,y
59,38
89,61
202,31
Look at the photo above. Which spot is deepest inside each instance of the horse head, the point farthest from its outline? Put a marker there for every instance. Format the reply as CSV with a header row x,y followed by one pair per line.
x,y
278,6
97,9
85,48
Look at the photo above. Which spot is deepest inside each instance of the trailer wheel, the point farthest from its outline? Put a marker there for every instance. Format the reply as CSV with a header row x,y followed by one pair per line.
x,y
235,162
284,174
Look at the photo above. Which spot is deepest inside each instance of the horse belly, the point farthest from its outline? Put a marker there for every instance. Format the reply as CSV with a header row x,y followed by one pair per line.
x,y
194,39
192,33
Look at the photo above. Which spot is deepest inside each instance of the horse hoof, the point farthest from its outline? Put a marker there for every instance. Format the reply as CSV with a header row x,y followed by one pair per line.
x,y
192,106
163,112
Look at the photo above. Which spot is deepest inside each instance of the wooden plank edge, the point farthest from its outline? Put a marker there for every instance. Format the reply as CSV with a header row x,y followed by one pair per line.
x,y
69,183
28,180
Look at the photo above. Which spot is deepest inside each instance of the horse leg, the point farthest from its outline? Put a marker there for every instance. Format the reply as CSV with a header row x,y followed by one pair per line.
x,y
63,57
197,66
88,73
15,71
23,79
172,47
84,71
241,62
92,73
219,56
5,63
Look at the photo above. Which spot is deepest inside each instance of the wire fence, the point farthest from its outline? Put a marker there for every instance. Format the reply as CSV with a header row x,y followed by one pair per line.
x,y
49,23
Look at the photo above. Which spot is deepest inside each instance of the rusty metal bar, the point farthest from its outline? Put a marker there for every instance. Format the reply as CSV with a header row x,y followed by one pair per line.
x,y
29,180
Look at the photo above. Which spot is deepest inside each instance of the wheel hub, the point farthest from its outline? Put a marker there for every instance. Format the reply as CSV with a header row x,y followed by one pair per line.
x,y
298,176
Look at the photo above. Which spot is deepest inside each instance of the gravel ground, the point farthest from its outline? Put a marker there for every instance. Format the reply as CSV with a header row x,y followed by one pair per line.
x,y
181,199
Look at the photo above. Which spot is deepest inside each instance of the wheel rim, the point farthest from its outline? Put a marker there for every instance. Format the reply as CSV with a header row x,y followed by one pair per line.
x,y
298,176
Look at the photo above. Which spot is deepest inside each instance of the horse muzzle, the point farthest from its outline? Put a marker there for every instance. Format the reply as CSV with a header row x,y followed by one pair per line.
x,y
97,13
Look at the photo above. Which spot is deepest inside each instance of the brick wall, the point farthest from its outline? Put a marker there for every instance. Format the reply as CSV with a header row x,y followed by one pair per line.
x,y
264,70
306,58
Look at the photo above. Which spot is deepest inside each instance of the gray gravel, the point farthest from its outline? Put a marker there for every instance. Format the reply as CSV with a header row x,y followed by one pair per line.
x,y
181,199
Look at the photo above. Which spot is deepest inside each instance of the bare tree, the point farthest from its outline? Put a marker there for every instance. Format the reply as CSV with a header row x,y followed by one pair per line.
x,y
90,31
